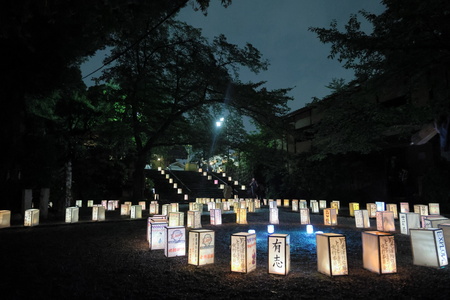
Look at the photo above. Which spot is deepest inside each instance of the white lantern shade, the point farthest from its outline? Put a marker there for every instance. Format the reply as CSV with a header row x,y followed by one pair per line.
x,y
352,207
303,203
331,254
143,204
385,221
446,231
279,254
270,229
241,216
379,252
404,207
175,206
31,217
5,218
362,219
304,216
434,221
79,203
215,216
111,205
194,219
90,203
421,209
156,233
201,247
72,214
295,205
125,209
273,216
175,244
381,206
372,209
314,207
135,212
330,217
428,247
176,218
408,221
272,203
104,203
166,209
392,207
434,209
98,213
322,204
154,208
243,252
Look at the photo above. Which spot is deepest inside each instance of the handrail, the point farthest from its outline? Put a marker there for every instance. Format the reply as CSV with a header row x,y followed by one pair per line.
x,y
178,179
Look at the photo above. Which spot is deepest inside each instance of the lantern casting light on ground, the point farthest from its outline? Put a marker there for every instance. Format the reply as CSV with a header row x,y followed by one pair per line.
x,y
331,254
243,252
428,247
379,252
201,247
279,254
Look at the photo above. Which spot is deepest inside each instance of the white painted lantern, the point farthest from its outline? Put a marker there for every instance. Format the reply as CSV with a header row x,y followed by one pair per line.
x,y
379,252
241,216
166,209
381,206
433,209
243,252
329,216
90,203
154,208
322,204
201,247
372,209
304,216
125,209
175,244
31,217
98,213
385,221
428,247
352,206
408,221
362,218
72,214
194,219
279,253
434,221
156,233
404,207
135,212
273,216
143,205
176,218
314,206
303,203
392,207
5,218
104,203
175,206
111,205
215,216
331,254
79,203
294,205
421,209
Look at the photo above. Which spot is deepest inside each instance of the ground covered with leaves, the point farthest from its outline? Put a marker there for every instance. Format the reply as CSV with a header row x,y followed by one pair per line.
x,y
112,260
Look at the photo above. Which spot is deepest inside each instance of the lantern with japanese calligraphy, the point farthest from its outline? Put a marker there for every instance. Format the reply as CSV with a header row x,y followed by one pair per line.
x,y
273,216
135,212
72,214
201,247
404,207
215,216
428,247
294,205
331,254
211,205
372,210
154,208
31,217
286,202
243,252
278,202
241,216
251,206
421,209
314,205
272,203
322,204
175,244
304,216
352,206
362,218
434,221
385,221
329,217
446,231
143,204
279,254
433,209
392,207
166,209
111,205
156,233
257,203
79,203
335,204
194,219
5,218
408,221
379,252
303,203
98,213
90,203
125,209
381,206
176,218
175,206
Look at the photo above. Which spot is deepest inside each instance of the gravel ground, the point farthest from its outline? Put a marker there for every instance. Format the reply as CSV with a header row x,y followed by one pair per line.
x,y
112,260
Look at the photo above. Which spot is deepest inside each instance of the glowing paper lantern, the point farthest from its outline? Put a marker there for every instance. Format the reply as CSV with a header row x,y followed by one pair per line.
x,y
433,209
215,216
270,229
314,206
243,252
273,216
116,203
329,216
251,206
241,216
257,203
446,231
278,202
272,204
179,191
72,214
404,207
186,197
331,254
104,203
322,204
79,203
5,218
154,208
385,221
434,221
335,205
128,203
408,221
31,217
111,205
279,256
294,205
304,216
352,207
201,247
421,209
194,219
90,203
372,210
156,233
303,203
428,247
309,229
175,206
392,207
166,209
286,202
176,218
98,213
362,218
243,187
379,252
135,212
175,244
125,209
143,204
380,206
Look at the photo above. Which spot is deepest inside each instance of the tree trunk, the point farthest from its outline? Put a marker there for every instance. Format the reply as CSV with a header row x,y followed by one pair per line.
x,y
139,178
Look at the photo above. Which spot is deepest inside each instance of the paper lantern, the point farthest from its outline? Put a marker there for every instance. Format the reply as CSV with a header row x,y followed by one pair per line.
x,y
421,209
5,218
372,210
329,216
303,203
380,206
243,252
251,206
446,231
31,217
270,229
104,203
379,252
278,202
257,203
273,216
111,205
434,221
79,203
385,221
362,218
279,254
179,191
309,229
170,180
408,221
156,233
392,207
125,209
194,219
135,212
215,216
205,173
404,207
175,206
428,247
98,213
166,209
201,247
304,216
72,214
322,204
176,218
294,205
433,209
143,205
209,177
314,206
243,187
128,203
156,197
200,170
175,244
90,203
335,205
154,208
272,204
331,254
175,185
286,202
241,216
352,207
186,197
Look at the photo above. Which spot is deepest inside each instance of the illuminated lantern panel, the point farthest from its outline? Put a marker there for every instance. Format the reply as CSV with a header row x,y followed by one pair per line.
x,y
111,205
243,252
322,204
421,209
294,205
434,221
175,244
392,207
241,216
433,209
309,229
251,206
142,204
128,203
72,214
278,202
446,231
135,212
314,207
335,206
380,206
273,216
175,206
90,203
303,203
272,204
98,213
428,247
211,205
362,218
166,209
154,208
379,252
329,216
176,218
331,254
156,233
31,217
257,203
125,209
372,209
5,218
304,216
105,204
194,219
201,247
270,229
404,207
385,221
408,221
279,255
215,216
116,203
352,207
79,203
286,202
